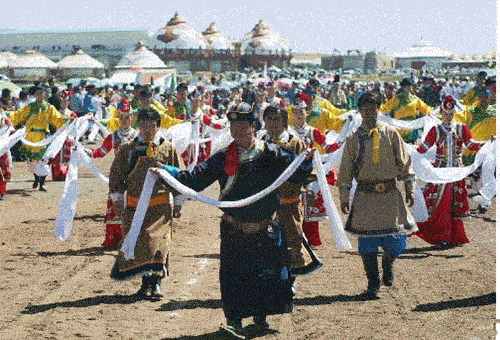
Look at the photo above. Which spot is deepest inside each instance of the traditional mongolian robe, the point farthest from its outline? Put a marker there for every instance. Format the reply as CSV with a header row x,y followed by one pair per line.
x,y
291,215
406,107
446,203
127,175
481,123
378,207
37,117
321,115
254,271
312,136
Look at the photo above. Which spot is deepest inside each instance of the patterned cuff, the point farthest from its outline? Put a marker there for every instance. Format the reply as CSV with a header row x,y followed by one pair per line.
x,y
173,170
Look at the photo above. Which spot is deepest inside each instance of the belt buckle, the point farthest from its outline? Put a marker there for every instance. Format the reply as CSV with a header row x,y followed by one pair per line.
x,y
380,187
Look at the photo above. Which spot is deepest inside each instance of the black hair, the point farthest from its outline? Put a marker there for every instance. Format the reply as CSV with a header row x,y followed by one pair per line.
x,y
369,98
276,109
145,94
149,114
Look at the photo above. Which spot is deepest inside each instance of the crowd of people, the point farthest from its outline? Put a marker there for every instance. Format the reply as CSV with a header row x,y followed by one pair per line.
x,y
267,243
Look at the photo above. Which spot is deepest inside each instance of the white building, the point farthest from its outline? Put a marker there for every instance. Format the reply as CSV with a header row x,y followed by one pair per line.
x,y
422,55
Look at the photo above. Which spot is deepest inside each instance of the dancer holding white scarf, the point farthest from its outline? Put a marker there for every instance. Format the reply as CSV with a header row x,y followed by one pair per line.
x,y
447,203
375,156
254,272
126,180
312,137
37,117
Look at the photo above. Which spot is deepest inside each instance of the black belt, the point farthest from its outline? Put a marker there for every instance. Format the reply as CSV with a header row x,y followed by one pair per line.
x,y
377,186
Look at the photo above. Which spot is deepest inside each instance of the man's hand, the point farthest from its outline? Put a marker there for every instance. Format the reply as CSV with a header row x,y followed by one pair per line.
x,y
344,206
410,196
177,211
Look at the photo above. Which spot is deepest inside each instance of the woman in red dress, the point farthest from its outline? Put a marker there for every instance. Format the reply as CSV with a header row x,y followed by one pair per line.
x,y
447,203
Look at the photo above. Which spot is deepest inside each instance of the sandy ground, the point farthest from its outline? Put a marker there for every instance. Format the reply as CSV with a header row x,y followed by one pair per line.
x,y
52,289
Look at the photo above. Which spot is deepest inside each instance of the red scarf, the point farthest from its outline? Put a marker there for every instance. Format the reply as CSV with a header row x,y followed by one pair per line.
x,y
231,165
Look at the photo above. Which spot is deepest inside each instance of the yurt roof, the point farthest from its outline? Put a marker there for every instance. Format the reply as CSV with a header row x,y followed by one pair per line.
x,y
32,59
141,57
216,39
79,59
179,35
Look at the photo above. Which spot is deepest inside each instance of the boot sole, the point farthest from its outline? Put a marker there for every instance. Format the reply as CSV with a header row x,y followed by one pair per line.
x,y
232,331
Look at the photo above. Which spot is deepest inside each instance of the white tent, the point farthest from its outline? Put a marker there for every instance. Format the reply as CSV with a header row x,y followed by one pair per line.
x,y
31,65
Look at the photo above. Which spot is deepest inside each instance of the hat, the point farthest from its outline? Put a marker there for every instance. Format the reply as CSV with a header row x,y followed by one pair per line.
x,y
302,99
449,103
242,111
125,105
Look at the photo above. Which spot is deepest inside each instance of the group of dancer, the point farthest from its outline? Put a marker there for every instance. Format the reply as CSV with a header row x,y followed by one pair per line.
x,y
266,244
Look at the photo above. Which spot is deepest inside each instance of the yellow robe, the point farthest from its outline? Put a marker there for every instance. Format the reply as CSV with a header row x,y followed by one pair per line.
x,y
37,117
416,108
166,121
328,119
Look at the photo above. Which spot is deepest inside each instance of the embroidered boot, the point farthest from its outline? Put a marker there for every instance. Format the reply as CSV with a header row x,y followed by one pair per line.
x,y
156,293
35,183
388,275
145,289
42,182
370,263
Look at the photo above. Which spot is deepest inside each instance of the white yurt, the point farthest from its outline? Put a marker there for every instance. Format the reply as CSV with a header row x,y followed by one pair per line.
x,y
264,41
79,65
31,65
178,35
216,40
140,66
140,58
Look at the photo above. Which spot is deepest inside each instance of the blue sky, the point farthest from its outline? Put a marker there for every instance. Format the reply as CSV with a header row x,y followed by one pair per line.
x,y
463,27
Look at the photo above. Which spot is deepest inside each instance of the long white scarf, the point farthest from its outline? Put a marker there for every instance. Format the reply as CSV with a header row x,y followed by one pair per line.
x,y
130,240
425,171
339,235
67,206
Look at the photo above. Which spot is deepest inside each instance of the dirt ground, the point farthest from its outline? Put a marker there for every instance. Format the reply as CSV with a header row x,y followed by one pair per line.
x,y
52,289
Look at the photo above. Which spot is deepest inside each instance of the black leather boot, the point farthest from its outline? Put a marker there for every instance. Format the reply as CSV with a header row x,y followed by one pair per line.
x,y
145,289
42,182
156,293
35,183
234,328
370,263
388,275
